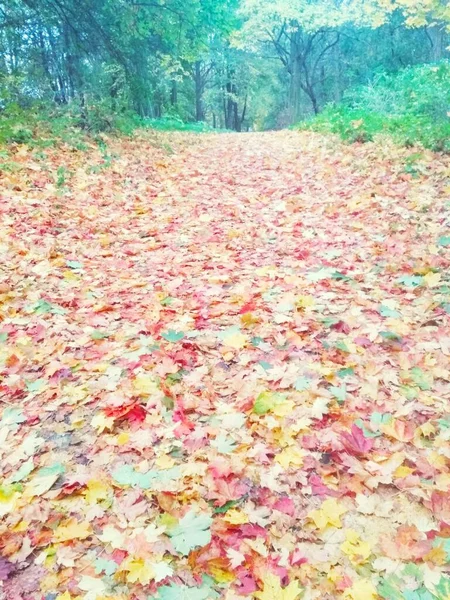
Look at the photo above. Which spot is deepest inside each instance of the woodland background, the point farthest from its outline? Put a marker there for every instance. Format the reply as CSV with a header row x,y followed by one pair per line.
x,y
228,64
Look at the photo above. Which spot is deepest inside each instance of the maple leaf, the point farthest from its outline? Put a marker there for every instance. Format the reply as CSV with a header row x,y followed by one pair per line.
x,y
290,456
361,590
173,336
72,530
138,570
93,586
184,592
193,530
273,591
355,442
328,514
267,401
357,550
44,480
233,337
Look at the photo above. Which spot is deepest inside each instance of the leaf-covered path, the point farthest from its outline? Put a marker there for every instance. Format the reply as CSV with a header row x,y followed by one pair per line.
x,y
225,371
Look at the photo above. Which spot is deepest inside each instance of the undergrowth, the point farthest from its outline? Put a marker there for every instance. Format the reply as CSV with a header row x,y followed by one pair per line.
x,y
42,126
412,106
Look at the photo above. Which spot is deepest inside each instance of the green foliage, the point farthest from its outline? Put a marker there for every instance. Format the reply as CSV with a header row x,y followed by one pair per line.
x,y
174,124
412,106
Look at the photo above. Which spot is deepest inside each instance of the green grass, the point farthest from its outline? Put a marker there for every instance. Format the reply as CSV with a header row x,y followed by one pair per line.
x,y
412,106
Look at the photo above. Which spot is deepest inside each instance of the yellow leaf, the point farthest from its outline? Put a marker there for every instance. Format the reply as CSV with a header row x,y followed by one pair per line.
x,y
432,279
96,490
72,530
361,590
100,422
221,575
235,340
114,537
139,570
273,590
290,456
403,471
8,501
235,517
357,550
123,438
328,514
248,319
305,301
145,385
165,462
284,408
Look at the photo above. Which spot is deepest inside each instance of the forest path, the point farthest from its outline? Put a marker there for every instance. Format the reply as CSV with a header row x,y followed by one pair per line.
x,y
224,370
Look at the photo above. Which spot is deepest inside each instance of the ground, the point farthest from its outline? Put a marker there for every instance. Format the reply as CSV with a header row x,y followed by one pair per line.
x,y
225,370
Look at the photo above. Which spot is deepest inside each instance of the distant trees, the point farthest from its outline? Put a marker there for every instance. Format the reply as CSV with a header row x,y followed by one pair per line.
x,y
324,46
234,63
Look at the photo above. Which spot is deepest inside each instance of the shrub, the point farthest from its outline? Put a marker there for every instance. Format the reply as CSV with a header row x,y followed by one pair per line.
x,y
413,106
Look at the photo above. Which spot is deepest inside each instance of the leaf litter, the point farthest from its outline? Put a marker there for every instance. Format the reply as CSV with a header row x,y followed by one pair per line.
x,y
225,371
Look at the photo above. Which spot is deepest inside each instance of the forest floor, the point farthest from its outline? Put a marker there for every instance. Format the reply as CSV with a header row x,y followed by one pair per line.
x,y
225,370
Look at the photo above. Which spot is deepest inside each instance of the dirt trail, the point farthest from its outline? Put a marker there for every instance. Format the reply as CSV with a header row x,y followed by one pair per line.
x,y
224,370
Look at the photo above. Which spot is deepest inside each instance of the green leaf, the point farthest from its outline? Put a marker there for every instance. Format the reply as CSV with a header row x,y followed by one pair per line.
x,y
409,392
167,301
419,594
444,241
12,416
389,589
42,307
22,472
57,469
340,276
411,280
74,264
366,432
173,336
3,336
390,335
302,383
223,509
340,393
99,335
192,531
108,567
421,379
385,311
184,592
345,372
266,401
126,475
224,444
35,386
342,346
379,419
443,587
265,365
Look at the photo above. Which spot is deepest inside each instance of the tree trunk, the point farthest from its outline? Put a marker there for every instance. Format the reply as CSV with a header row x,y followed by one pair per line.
x,y
174,94
436,36
294,100
199,89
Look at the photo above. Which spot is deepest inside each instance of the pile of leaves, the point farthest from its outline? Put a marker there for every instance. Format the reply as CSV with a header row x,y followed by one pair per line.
x,y
225,371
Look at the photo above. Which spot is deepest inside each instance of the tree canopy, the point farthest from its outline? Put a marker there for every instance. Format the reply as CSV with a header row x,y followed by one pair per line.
x,y
235,64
